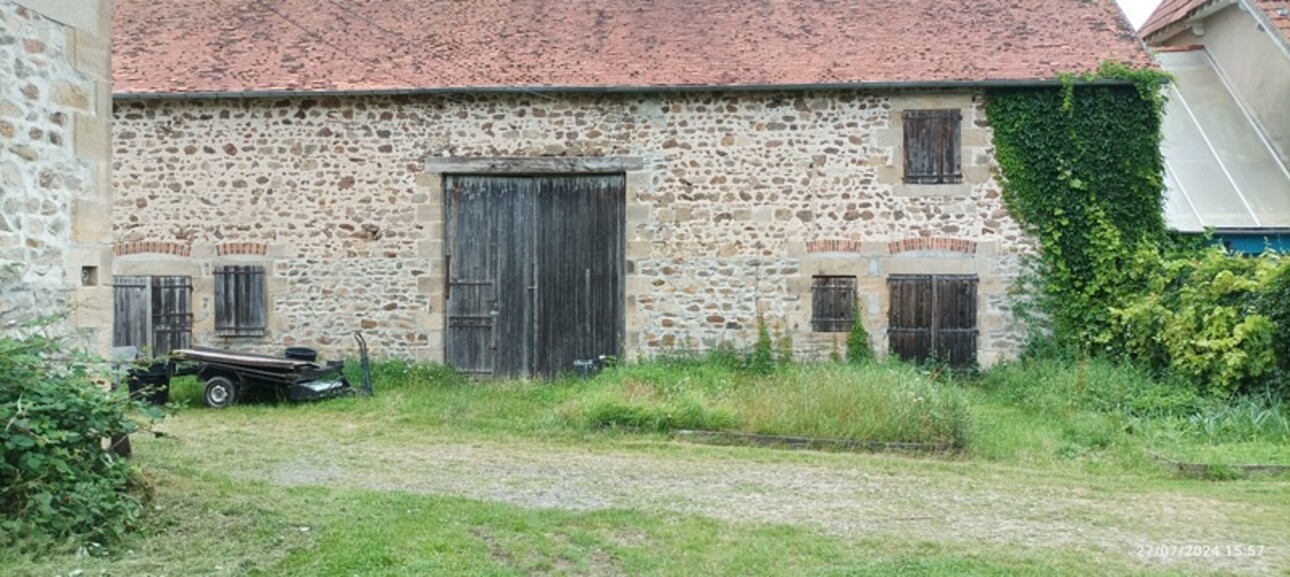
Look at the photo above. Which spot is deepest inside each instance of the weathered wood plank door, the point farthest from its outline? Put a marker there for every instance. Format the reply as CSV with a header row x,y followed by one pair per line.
x,y
955,321
933,317
534,272
491,262
580,270
153,313
131,311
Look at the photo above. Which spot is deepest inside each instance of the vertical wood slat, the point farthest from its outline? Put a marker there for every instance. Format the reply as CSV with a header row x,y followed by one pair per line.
x,y
909,320
832,303
956,338
131,311
172,318
240,304
581,222
933,317
490,239
537,271
933,143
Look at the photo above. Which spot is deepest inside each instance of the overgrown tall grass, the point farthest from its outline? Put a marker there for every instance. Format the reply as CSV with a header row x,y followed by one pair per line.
x,y
889,402
1096,410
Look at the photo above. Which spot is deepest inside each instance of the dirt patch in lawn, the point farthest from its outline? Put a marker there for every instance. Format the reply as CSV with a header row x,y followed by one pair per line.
x,y
849,496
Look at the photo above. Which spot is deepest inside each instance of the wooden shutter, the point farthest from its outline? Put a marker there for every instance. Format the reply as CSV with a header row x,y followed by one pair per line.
x,y
932,146
933,317
956,320
239,301
909,318
131,312
832,303
172,314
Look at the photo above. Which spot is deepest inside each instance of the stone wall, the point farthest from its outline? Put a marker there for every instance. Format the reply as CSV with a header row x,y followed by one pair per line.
x,y
55,192
734,201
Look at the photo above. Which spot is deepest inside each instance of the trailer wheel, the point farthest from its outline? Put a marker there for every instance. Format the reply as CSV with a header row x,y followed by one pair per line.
x,y
220,392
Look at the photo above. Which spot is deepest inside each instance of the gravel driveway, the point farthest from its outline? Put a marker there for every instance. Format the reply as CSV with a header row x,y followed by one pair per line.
x,y
851,496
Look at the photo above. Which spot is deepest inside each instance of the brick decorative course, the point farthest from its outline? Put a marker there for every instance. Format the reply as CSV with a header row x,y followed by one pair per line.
x,y
233,248
833,246
944,244
151,247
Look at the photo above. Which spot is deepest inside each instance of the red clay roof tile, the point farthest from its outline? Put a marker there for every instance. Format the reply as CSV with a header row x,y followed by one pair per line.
x,y
1170,12
1174,11
175,46
1278,12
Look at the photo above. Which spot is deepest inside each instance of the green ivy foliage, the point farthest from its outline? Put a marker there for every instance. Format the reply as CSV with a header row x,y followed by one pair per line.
x,y
1081,172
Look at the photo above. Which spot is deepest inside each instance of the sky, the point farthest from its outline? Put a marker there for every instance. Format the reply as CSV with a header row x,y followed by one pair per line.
x,y
1138,10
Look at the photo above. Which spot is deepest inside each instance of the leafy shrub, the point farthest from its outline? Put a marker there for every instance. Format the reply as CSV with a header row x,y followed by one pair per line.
x,y
57,481
1199,318
1274,302
762,359
859,351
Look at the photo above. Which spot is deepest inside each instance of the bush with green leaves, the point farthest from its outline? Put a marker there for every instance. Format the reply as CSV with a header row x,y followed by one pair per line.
x,y
1200,318
762,358
57,480
859,351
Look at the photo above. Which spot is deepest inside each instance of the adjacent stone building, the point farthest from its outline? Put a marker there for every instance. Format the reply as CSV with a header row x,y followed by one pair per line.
x,y
511,186
55,188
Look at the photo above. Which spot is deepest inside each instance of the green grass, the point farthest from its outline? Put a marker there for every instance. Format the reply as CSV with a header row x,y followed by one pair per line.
x,y
1068,434
206,524
1098,415
889,402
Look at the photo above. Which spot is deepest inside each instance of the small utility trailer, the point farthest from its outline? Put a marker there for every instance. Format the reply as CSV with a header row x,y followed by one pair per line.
x,y
228,375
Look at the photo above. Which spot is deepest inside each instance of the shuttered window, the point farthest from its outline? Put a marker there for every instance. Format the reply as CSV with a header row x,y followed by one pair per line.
x,y
833,301
239,301
933,318
932,146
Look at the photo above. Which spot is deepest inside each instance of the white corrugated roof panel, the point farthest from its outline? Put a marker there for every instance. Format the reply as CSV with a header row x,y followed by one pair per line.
x,y
1220,172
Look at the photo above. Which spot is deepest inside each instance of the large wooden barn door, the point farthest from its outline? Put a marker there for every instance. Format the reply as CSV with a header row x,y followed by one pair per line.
x,y
534,272
580,270
933,317
491,263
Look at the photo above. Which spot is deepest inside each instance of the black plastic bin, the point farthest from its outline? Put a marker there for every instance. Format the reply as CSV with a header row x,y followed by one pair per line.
x,y
301,354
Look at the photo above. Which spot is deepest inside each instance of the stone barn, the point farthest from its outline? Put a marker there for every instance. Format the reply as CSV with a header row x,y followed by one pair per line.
x,y
510,186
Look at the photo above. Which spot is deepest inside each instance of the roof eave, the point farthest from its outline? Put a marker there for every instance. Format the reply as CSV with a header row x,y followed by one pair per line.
x,y
1186,22
451,91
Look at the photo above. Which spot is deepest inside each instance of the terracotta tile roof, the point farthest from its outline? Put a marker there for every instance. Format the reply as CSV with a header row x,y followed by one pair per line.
x,y
174,46
1278,12
1173,11
1170,12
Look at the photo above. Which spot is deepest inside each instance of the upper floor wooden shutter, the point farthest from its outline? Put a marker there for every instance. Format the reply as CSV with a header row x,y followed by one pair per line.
x,y
239,301
932,146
